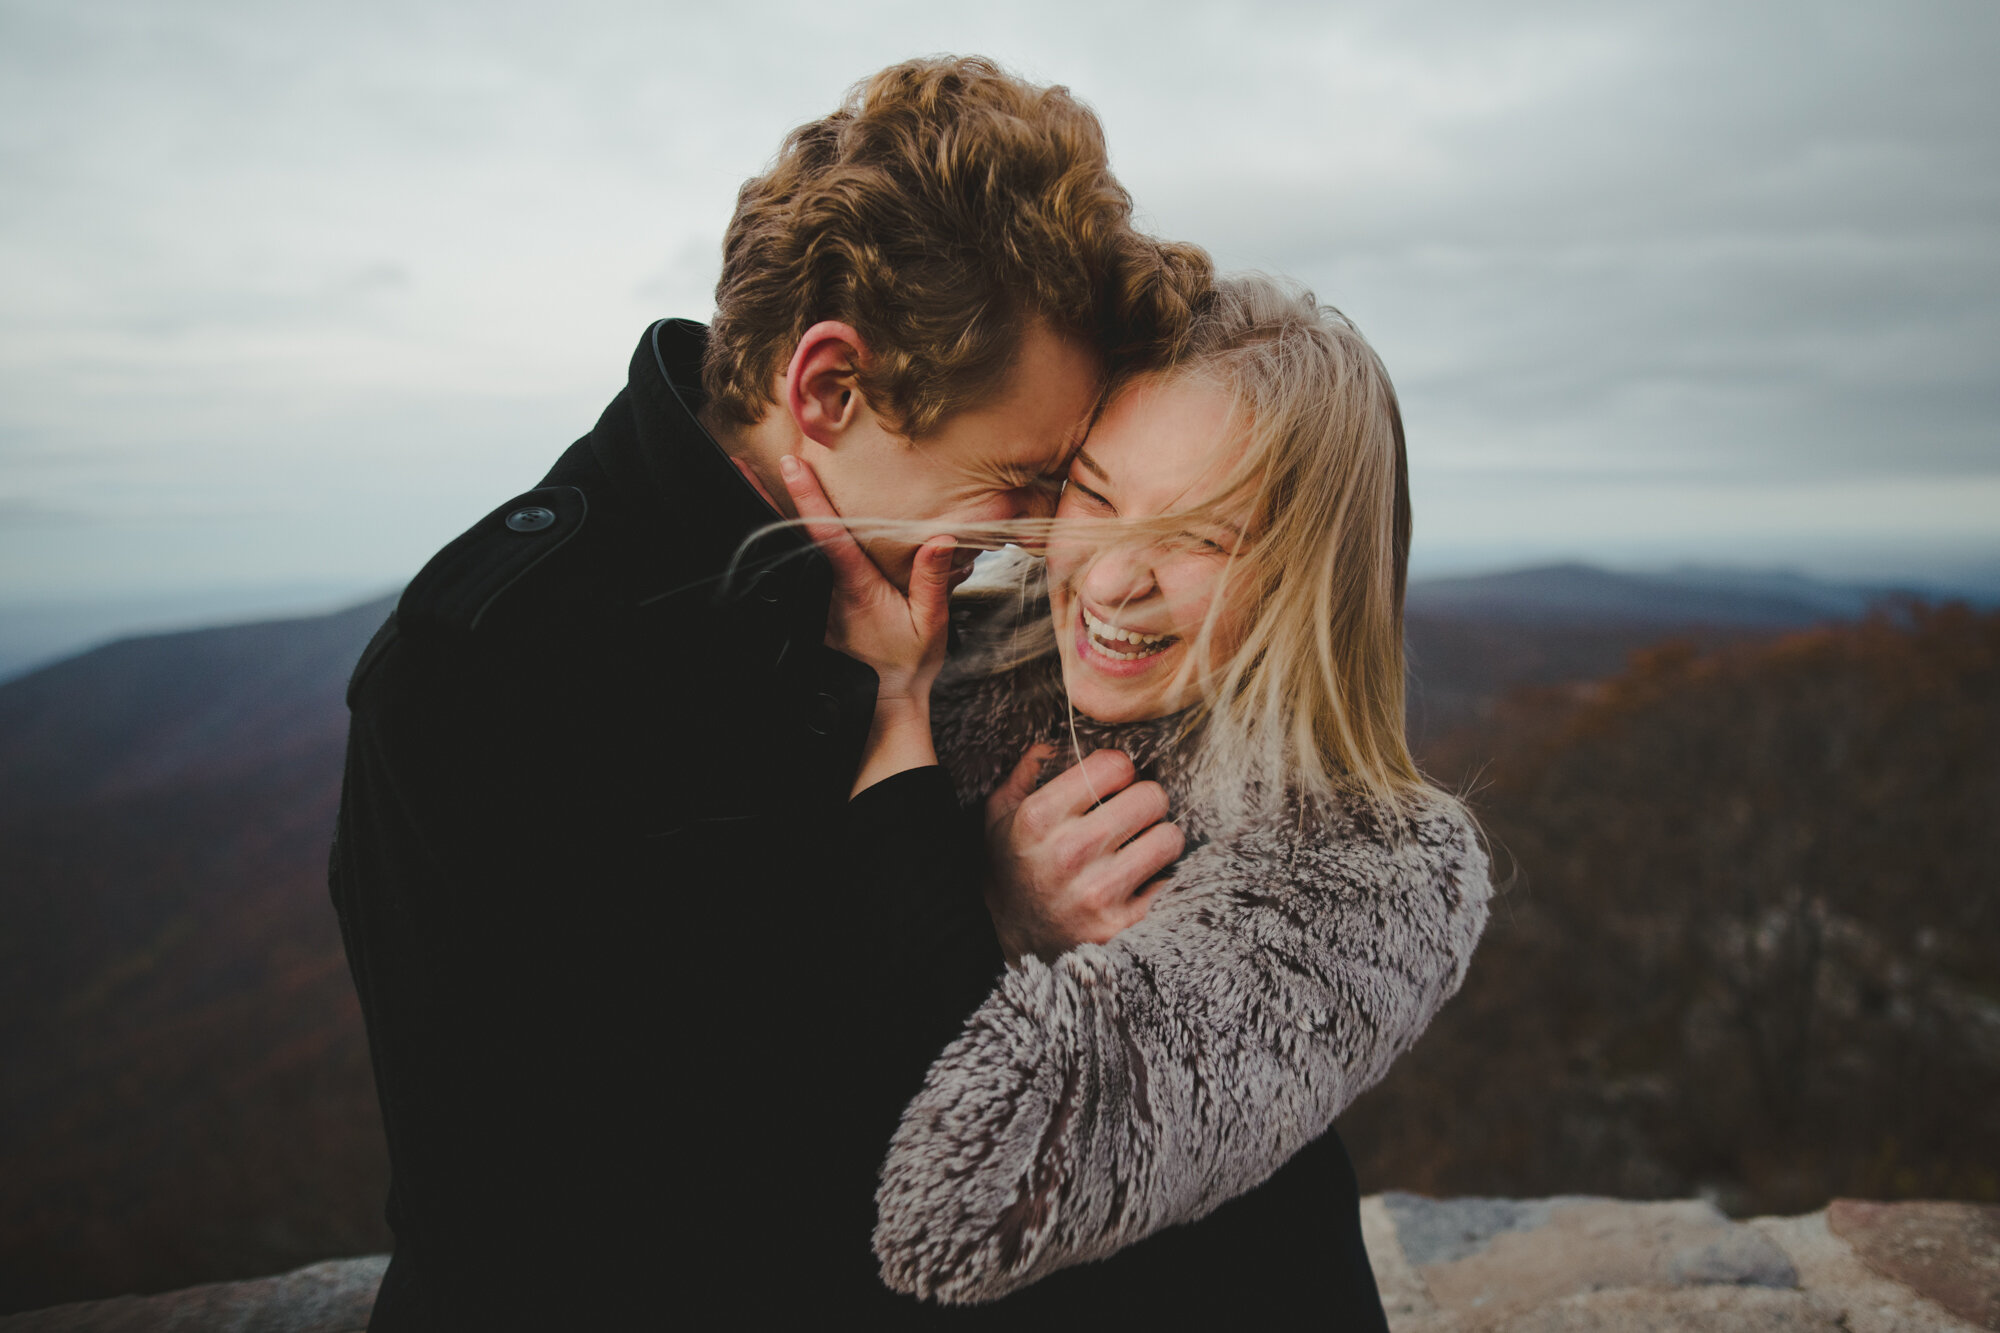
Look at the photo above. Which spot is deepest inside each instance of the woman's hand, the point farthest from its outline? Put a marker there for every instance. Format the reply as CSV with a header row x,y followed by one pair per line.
x,y
901,636
1079,860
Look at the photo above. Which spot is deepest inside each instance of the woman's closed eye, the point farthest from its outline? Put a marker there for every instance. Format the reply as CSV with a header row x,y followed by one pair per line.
x,y
1091,497
1201,545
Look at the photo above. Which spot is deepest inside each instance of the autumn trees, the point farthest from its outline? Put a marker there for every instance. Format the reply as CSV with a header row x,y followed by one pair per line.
x,y
1751,945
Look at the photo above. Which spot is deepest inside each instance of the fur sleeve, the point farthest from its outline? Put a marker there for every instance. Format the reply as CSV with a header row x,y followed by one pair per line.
x,y
1139,1084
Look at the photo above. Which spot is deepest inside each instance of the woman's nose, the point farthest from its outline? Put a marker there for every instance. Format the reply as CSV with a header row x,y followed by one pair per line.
x,y
1118,575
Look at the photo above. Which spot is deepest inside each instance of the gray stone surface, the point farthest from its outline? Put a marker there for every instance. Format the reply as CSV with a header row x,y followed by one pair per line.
x,y
331,1297
1642,1310
1744,1256
1440,1230
1581,1246
1404,1295
1864,1301
1571,1264
1948,1251
1567,1265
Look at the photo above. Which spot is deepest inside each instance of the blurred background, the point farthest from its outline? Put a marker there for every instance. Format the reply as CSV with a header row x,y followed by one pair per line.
x,y
1695,313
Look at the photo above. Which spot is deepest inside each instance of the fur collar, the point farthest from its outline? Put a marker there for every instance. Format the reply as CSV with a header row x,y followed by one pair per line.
x,y
1135,1085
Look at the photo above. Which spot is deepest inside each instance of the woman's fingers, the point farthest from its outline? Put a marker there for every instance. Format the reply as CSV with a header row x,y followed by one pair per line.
x,y
1019,784
851,565
1141,860
1076,867
1134,909
1126,815
1101,775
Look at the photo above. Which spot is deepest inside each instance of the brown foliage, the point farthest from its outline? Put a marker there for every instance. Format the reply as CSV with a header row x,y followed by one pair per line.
x,y
1750,947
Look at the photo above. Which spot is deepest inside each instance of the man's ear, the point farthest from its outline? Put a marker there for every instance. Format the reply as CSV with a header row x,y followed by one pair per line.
x,y
821,391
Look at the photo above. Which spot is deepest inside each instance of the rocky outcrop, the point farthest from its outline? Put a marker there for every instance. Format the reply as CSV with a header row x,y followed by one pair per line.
x,y
1560,1265
333,1297
1577,1263
1948,1251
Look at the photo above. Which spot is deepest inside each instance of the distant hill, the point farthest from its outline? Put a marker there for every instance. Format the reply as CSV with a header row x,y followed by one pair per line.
x,y
1577,594
187,1087
162,711
1472,639
37,632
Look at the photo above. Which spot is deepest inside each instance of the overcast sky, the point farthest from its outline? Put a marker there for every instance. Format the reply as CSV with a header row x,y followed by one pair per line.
x,y
294,293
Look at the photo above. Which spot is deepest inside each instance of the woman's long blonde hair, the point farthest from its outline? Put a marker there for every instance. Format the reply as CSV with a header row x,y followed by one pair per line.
x,y
1308,702
1310,699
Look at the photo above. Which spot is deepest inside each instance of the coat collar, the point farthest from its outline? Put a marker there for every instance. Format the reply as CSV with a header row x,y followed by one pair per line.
x,y
660,454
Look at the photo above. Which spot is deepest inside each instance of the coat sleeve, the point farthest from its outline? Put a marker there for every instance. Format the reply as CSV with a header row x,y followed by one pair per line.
x,y
1131,1086
911,874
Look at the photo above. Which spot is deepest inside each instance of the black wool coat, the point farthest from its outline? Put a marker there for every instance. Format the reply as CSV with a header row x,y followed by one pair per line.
x,y
643,1009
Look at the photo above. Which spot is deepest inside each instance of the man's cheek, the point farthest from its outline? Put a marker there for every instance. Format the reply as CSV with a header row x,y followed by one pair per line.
x,y
990,507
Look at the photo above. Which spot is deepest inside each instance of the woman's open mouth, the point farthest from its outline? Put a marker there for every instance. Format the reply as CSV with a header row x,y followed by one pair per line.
x,y
1118,644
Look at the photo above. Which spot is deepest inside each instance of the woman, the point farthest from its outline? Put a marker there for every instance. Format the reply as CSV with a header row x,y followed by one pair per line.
x,y
1221,601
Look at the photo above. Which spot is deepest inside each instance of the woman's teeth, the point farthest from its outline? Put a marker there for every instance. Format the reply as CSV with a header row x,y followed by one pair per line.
x,y
1105,633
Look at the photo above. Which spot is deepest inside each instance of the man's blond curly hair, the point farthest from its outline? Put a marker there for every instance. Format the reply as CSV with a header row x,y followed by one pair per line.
x,y
943,208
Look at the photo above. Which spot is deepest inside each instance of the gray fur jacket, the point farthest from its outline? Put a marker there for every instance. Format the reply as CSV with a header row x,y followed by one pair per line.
x,y
1142,1083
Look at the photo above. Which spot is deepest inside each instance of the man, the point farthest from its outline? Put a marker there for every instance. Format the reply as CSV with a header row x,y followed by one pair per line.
x,y
629,1033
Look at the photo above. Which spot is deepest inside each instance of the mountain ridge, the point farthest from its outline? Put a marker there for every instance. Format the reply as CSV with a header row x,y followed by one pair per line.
x,y
1573,592
175,1011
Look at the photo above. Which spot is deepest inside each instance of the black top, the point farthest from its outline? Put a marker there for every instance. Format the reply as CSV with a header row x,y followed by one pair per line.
x,y
644,992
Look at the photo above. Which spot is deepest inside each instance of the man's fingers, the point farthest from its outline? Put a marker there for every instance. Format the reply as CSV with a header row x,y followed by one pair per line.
x,y
822,521
1143,858
1019,783
1102,774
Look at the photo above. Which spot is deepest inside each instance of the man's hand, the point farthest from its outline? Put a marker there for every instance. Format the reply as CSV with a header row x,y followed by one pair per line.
x,y
1079,860
871,620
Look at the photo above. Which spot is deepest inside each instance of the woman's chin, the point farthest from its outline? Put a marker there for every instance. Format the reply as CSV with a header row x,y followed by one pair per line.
x,y
1113,711
1103,699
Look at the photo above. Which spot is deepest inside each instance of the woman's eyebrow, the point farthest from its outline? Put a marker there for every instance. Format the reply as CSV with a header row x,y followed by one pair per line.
x,y
1083,457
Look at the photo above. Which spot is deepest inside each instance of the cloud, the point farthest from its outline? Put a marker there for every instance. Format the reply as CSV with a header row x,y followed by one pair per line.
x,y
18,511
1743,254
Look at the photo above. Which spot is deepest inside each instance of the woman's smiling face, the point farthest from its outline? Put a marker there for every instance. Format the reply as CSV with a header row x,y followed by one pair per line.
x,y
1129,613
